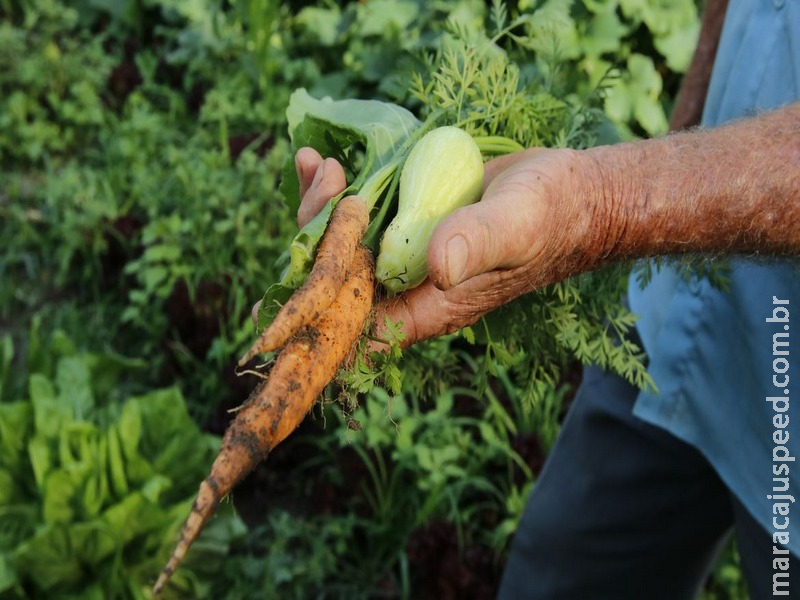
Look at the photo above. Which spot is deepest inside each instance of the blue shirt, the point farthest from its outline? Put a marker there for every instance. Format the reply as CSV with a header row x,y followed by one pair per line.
x,y
713,354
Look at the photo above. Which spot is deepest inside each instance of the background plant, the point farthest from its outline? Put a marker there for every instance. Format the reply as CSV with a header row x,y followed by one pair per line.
x,y
95,480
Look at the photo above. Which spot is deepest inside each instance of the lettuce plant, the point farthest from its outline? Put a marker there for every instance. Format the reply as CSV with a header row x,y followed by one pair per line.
x,y
94,481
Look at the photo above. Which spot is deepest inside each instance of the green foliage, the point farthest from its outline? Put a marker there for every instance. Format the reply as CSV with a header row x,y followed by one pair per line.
x,y
474,84
95,482
420,463
716,270
727,580
138,194
645,44
623,31
52,87
369,49
294,559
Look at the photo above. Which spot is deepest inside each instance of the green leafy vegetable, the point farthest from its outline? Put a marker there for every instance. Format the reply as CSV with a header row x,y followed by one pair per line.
x,y
91,491
329,125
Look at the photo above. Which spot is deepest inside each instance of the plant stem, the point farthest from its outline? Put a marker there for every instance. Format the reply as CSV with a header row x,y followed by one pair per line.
x,y
497,145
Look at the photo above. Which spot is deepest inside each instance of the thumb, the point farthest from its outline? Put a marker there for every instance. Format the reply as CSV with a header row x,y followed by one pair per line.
x,y
502,231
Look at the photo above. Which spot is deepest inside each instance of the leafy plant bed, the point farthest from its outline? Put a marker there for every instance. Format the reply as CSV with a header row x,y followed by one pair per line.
x,y
93,478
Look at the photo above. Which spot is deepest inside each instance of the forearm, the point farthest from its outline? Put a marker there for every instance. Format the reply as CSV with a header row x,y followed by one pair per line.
x,y
734,189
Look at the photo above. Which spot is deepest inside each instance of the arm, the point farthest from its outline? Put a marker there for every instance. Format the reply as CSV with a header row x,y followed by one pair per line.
x,y
733,189
549,214
552,214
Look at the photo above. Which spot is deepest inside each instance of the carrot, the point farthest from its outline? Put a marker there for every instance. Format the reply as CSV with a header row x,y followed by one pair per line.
x,y
346,227
304,366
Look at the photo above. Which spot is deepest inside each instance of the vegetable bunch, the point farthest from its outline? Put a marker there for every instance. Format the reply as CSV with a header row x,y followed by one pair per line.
x,y
407,171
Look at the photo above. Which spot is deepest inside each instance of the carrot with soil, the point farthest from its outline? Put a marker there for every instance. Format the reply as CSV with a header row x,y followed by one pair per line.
x,y
304,366
347,225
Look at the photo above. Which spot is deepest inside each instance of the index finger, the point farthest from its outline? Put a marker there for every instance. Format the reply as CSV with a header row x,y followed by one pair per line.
x,y
327,181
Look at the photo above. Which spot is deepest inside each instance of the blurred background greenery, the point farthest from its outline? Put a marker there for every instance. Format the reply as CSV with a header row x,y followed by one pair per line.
x,y
141,143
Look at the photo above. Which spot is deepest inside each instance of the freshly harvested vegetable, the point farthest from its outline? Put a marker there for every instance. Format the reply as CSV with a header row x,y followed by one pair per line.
x,y
305,365
443,172
410,173
346,227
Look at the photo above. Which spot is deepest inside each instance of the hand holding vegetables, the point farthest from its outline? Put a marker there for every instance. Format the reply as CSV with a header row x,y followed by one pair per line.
x,y
529,229
548,214
544,215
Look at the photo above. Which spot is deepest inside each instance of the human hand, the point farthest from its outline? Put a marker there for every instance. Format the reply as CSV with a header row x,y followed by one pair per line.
x,y
533,226
549,214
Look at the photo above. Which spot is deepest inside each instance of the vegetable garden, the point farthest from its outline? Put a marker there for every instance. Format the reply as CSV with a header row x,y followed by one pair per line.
x,y
148,199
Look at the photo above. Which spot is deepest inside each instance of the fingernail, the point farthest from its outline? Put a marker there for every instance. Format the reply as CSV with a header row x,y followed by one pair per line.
x,y
318,176
298,168
456,255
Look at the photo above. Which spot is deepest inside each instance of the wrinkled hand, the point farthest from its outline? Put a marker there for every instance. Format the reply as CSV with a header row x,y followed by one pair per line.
x,y
533,226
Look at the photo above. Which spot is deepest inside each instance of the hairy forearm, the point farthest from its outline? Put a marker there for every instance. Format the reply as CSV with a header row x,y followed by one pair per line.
x,y
734,189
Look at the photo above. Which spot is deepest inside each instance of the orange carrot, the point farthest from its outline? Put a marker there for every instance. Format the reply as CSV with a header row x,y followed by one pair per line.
x,y
305,365
346,227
